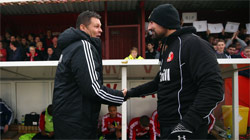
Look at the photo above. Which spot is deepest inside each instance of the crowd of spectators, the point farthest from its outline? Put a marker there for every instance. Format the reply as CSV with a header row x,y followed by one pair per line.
x,y
29,48
44,47
226,45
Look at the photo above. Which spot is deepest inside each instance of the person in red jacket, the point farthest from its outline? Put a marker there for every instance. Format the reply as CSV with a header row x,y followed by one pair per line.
x,y
3,53
154,117
141,128
111,123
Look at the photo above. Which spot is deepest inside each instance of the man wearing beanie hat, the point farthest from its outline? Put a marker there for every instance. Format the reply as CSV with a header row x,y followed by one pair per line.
x,y
189,85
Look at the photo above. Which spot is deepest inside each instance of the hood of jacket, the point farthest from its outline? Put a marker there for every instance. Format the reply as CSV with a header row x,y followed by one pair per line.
x,y
183,30
72,35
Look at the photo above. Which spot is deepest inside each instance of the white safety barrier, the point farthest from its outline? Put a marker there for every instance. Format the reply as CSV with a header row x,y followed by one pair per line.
x,y
118,74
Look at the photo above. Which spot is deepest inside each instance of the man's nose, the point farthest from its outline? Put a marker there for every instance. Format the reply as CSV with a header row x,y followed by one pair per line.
x,y
149,26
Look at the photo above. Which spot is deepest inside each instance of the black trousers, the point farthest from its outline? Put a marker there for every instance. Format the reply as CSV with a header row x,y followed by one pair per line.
x,y
200,134
40,136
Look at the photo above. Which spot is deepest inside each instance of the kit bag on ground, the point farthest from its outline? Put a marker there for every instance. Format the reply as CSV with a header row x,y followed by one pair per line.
x,y
31,119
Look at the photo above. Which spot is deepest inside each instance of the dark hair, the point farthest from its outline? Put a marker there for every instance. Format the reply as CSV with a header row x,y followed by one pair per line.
x,y
150,42
84,18
15,43
144,121
50,109
231,46
111,106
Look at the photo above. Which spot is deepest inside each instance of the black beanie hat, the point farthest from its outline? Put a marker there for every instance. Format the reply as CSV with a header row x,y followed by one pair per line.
x,y
166,16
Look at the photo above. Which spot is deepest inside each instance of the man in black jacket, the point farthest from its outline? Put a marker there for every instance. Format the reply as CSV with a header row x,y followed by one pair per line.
x,y
79,90
189,84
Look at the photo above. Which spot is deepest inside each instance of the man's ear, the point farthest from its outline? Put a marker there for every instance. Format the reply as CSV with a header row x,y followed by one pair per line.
x,y
83,27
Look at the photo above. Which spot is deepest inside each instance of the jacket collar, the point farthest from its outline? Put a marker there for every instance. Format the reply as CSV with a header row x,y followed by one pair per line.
x,y
184,30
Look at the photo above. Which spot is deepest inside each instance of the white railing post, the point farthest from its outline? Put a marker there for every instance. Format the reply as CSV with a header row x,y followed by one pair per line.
x,y
124,105
235,103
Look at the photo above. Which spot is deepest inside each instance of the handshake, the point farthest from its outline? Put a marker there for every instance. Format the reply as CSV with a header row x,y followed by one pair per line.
x,y
124,91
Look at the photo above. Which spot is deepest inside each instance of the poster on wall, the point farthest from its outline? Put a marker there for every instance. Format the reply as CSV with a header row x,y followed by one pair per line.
x,y
215,28
200,26
232,27
189,17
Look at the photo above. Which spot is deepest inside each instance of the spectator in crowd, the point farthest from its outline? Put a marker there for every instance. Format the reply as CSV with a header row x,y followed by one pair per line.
x,y
215,42
244,54
40,50
111,123
12,38
24,44
247,40
37,39
31,41
15,52
45,125
240,44
133,54
141,128
220,49
3,53
230,51
159,46
48,38
32,55
211,39
7,38
151,53
57,51
18,39
242,33
154,118
6,116
50,56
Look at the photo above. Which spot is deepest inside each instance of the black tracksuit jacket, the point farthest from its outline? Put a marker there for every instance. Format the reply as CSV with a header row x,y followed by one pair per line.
x,y
189,85
79,90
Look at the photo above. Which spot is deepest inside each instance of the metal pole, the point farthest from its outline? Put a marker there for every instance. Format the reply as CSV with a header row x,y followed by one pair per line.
x,y
235,107
124,105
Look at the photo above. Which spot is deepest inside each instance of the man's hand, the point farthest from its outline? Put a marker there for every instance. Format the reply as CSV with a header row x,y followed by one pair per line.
x,y
6,128
124,91
180,133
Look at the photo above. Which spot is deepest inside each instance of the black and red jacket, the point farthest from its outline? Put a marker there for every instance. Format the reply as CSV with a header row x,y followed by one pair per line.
x,y
189,84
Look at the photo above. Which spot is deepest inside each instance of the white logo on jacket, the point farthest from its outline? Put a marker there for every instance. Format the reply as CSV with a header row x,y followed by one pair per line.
x,y
165,75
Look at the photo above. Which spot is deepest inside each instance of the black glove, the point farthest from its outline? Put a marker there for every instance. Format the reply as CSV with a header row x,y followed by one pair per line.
x,y
180,133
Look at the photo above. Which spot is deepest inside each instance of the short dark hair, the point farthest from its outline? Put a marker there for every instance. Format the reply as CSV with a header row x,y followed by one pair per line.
x,y
150,42
50,109
112,106
84,18
144,121
15,43
231,46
